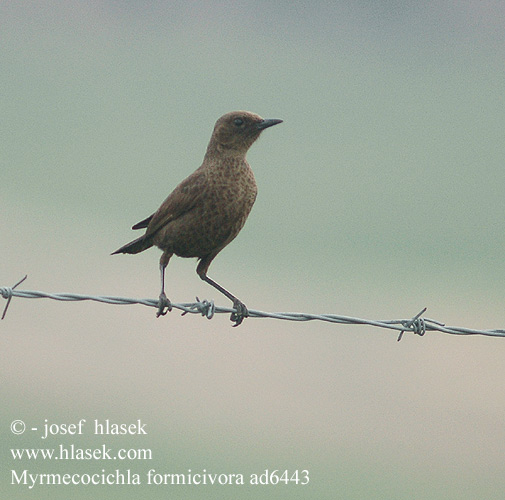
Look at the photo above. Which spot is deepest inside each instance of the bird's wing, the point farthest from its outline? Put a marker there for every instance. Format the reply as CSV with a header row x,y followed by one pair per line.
x,y
143,223
182,199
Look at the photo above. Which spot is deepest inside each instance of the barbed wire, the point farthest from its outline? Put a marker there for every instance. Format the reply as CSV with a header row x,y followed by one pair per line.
x,y
417,324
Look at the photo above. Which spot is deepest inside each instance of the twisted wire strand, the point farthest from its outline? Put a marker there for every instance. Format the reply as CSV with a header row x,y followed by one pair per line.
x,y
417,325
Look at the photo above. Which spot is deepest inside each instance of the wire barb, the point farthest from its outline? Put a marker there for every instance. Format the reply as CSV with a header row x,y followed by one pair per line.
x,y
8,292
417,325
204,307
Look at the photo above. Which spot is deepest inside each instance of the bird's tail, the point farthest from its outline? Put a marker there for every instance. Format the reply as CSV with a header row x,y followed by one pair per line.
x,y
136,246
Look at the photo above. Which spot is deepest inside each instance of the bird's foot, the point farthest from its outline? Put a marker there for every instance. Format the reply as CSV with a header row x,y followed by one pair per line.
x,y
240,312
164,305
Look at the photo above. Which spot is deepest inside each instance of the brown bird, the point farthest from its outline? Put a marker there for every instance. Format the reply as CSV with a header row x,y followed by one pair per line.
x,y
208,209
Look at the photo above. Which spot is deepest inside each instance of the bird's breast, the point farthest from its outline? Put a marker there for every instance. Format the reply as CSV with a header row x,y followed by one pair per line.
x,y
229,201
216,219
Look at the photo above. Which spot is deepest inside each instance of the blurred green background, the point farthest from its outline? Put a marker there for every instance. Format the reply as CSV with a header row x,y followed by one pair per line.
x,y
381,193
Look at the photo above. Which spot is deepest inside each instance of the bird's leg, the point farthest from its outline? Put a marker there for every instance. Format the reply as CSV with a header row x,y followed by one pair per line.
x,y
241,311
163,302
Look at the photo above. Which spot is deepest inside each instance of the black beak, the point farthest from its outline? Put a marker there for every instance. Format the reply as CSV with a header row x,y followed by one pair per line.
x,y
268,123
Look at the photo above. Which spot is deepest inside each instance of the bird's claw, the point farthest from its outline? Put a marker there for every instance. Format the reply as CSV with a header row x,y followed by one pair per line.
x,y
240,312
164,305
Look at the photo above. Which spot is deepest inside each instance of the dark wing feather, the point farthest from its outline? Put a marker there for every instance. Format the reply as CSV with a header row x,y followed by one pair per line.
x,y
143,223
182,199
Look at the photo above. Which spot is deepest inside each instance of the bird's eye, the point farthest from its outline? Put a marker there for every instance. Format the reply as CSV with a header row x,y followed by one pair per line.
x,y
238,122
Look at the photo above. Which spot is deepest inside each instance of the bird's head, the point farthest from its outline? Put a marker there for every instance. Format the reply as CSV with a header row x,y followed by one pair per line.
x,y
235,132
